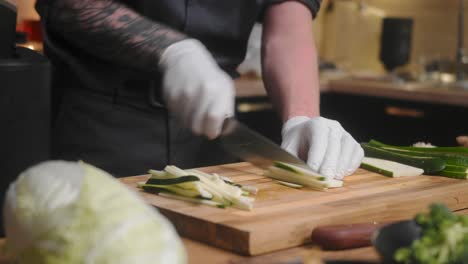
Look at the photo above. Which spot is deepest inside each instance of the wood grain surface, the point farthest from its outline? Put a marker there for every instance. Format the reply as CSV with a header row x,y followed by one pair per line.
x,y
284,217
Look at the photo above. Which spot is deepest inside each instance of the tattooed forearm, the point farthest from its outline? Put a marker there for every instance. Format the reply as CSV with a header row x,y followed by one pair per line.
x,y
110,30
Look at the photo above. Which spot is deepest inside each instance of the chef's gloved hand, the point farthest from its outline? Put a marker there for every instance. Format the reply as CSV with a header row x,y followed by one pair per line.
x,y
195,89
324,144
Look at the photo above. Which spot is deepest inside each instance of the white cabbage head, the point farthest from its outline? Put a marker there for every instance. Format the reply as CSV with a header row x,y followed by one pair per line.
x,y
72,212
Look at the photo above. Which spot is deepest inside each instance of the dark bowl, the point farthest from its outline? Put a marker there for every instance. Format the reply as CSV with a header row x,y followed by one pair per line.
x,y
392,237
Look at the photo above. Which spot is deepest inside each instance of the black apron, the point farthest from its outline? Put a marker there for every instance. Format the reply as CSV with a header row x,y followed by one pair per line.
x,y
113,117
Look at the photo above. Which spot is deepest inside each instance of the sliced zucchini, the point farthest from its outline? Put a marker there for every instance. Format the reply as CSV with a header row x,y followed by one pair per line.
x,y
285,166
177,190
430,165
389,168
291,185
456,168
454,174
298,170
194,184
305,180
172,181
192,200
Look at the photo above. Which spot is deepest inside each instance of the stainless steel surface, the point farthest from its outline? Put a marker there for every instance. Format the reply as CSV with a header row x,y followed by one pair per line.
x,y
250,146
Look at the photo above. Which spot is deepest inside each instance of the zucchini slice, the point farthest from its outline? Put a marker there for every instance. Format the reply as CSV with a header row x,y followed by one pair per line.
x,y
172,181
192,200
298,170
389,168
291,185
300,179
454,174
177,190
430,165
456,168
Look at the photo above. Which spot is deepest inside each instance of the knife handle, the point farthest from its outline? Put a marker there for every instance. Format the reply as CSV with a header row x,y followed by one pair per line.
x,y
339,237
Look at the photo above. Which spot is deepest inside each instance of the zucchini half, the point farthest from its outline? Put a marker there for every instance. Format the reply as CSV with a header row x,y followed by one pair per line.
x,y
449,158
389,168
430,165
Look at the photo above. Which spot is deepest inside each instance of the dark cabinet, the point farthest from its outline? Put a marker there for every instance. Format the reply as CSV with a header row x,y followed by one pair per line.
x,y
391,121
396,121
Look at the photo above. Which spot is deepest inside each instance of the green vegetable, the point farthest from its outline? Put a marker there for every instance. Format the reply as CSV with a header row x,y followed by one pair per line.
x,y
172,181
285,166
291,185
454,174
450,159
192,200
445,150
456,168
389,168
176,190
309,179
298,170
194,184
444,239
69,212
428,164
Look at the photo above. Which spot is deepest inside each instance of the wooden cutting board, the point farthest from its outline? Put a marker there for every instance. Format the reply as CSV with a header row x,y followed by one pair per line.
x,y
284,217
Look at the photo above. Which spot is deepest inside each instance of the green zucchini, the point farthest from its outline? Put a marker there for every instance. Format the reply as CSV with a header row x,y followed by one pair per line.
x,y
291,185
302,179
192,200
430,165
177,190
172,181
456,168
233,183
376,169
450,159
287,167
290,168
447,150
389,168
453,174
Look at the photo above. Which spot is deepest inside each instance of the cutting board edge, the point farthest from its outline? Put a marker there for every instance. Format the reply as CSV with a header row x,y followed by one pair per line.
x,y
214,234
421,203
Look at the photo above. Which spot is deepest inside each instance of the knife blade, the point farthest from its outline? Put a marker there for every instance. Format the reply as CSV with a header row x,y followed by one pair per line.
x,y
250,146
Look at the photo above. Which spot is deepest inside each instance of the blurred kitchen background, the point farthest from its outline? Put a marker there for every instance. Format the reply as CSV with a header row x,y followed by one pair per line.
x,y
419,95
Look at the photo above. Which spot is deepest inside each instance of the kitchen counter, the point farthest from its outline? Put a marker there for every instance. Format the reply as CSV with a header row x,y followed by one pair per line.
x,y
417,92
199,253
202,253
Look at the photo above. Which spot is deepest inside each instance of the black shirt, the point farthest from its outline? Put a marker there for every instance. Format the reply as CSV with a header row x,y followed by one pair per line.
x,y
110,115
223,26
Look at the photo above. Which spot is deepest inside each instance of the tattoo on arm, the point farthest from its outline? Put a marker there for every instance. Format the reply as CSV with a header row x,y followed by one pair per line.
x,y
112,31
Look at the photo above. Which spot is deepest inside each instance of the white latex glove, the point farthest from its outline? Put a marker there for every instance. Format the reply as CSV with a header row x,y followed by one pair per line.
x,y
195,89
324,144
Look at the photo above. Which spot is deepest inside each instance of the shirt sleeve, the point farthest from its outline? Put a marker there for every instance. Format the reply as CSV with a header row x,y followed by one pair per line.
x,y
313,5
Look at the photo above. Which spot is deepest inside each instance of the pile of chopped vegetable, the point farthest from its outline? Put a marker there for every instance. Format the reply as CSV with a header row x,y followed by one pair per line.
x,y
444,239
199,187
296,177
449,162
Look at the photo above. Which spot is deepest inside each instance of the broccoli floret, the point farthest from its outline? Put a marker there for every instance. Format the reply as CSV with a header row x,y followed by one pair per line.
x,y
444,239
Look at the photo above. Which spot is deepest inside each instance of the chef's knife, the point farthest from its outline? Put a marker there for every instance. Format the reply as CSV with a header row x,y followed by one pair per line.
x,y
250,146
